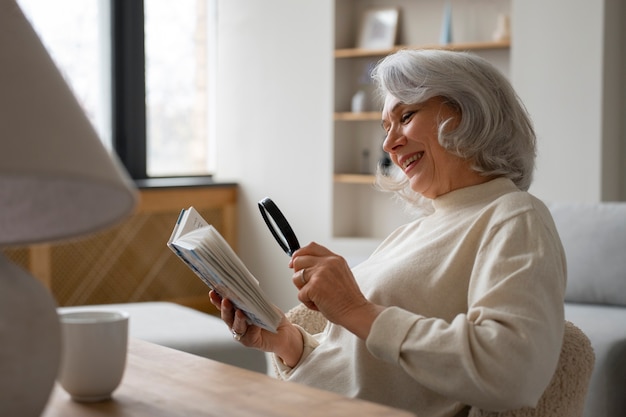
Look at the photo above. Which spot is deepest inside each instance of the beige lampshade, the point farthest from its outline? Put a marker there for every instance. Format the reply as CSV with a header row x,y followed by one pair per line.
x,y
57,180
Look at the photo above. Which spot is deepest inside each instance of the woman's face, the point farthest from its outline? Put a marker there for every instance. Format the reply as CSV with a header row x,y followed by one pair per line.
x,y
412,143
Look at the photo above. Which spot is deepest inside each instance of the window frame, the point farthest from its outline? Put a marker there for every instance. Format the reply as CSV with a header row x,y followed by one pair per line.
x,y
128,86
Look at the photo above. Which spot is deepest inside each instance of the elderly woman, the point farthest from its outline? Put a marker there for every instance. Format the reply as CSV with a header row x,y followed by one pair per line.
x,y
464,305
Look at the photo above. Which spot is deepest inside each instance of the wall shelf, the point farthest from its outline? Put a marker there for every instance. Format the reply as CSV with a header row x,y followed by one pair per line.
x,y
357,117
354,179
464,46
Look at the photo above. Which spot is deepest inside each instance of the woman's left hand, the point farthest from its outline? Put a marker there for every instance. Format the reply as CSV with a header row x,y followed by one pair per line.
x,y
326,283
286,342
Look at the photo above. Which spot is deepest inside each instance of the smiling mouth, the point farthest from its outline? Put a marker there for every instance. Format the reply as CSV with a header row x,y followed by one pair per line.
x,y
412,159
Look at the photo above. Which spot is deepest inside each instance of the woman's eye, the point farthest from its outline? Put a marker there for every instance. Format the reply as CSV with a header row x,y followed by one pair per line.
x,y
406,116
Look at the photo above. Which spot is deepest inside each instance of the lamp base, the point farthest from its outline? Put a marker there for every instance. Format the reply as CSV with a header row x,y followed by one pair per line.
x,y
30,342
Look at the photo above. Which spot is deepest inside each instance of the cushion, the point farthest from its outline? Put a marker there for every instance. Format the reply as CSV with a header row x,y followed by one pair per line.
x,y
594,238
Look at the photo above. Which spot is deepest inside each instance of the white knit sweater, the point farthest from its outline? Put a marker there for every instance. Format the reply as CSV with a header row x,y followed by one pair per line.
x,y
475,294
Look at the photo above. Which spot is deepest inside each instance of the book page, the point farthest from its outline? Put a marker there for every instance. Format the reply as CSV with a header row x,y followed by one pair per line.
x,y
188,220
211,258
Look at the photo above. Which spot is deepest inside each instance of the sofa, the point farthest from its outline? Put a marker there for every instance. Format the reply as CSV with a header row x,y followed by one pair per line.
x,y
594,238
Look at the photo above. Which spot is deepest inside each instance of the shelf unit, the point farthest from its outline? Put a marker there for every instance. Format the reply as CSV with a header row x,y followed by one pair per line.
x,y
359,210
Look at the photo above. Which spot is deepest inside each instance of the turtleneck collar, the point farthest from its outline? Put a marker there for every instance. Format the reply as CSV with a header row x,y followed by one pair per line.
x,y
476,194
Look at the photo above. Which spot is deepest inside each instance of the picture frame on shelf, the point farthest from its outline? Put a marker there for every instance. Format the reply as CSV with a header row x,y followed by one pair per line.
x,y
379,28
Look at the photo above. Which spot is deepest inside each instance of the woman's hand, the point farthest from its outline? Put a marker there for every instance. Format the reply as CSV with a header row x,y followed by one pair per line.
x,y
287,342
326,283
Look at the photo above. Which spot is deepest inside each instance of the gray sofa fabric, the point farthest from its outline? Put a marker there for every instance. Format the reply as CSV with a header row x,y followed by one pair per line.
x,y
594,238
606,328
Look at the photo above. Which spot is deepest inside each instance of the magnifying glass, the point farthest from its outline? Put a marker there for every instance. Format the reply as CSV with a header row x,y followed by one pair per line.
x,y
279,226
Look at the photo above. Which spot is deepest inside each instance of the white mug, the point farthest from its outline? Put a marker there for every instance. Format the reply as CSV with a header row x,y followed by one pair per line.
x,y
94,346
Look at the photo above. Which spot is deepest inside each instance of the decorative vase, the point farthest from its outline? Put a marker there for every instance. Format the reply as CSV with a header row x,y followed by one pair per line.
x,y
365,97
503,29
445,37
363,100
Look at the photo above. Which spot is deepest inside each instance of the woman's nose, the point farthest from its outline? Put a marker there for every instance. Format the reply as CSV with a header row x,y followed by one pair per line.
x,y
393,139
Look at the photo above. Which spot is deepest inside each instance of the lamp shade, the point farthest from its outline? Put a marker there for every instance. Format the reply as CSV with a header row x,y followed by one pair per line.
x,y
57,179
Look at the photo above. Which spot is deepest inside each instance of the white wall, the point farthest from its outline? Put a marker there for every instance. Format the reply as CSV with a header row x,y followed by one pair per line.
x,y
273,124
562,72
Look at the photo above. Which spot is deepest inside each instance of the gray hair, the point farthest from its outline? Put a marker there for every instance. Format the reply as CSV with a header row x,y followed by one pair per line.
x,y
495,130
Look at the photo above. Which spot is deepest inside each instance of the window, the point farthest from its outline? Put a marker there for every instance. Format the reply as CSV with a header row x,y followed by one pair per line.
x,y
143,71
177,87
74,32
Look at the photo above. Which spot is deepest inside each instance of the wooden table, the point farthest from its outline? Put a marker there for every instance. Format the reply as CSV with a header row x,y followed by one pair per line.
x,y
163,382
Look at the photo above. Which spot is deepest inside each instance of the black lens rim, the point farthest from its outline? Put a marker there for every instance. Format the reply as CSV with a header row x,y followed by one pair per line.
x,y
268,207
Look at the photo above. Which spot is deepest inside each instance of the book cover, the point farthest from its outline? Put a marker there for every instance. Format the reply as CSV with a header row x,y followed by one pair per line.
x,y
211,258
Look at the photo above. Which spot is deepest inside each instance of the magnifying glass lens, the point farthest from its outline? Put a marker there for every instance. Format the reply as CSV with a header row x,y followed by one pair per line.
x,y
276,229
278,225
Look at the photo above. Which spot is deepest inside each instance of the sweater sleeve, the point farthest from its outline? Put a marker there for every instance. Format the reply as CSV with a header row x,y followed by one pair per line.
x,y
501,353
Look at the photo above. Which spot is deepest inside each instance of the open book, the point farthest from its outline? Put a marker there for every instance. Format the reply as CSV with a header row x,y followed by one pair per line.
x,y
208,254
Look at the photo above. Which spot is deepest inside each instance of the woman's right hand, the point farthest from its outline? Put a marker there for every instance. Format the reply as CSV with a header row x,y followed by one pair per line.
x,y
287,342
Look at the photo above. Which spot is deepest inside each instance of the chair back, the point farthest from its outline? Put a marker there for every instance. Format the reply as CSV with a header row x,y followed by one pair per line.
x,y
565,395
310,320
